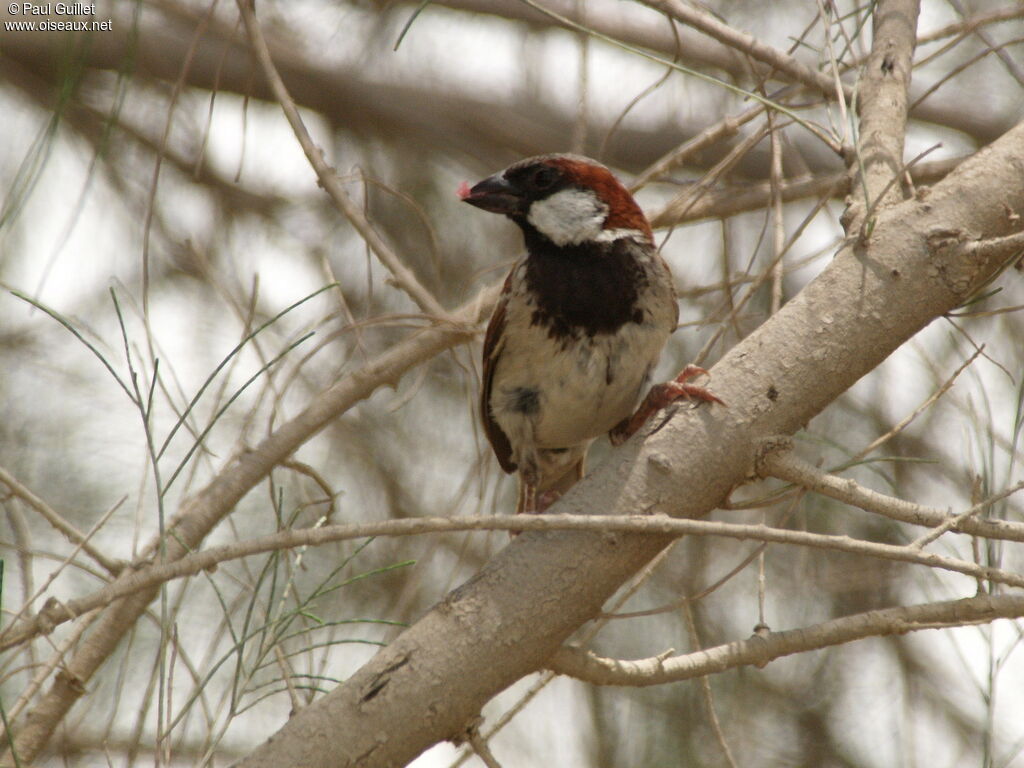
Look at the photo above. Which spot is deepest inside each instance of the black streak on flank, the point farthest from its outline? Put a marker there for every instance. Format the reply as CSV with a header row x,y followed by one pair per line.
x,y
525,400
589,288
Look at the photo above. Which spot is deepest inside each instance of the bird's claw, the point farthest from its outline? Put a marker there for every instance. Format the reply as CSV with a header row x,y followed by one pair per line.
x,y
661,396
667,393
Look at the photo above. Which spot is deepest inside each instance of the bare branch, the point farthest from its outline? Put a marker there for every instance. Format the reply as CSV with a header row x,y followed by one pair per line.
x,y
723,129
972,23
1004,248
749,45
732,200
57,612
761,649
882,98
481,748
55,519
784,465
404,276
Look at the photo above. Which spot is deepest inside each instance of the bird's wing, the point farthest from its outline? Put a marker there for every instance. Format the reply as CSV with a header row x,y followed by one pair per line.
x,y
493,346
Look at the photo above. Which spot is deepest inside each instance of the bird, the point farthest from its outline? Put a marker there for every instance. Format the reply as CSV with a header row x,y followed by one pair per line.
x,y
579,325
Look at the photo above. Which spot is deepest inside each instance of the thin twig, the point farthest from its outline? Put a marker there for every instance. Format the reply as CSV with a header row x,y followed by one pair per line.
x,y
707,693
155,575
54,518
404,277
747,44
904,422
735,199
480,746
783,465
762,648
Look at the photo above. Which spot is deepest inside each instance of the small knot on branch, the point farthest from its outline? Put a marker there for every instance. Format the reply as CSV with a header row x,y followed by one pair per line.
x,y
766,448
53,612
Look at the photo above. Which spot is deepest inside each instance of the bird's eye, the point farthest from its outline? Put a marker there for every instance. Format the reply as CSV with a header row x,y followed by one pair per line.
x,y
544,177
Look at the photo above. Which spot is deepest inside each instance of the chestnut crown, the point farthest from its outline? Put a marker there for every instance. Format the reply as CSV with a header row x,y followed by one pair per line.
x,y
567,199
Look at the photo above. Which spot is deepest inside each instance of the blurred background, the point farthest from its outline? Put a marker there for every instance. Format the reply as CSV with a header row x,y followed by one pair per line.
x,y
157,210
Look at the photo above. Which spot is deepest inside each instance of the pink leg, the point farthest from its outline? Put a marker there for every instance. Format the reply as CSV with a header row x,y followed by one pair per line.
x,y
660,396
527,503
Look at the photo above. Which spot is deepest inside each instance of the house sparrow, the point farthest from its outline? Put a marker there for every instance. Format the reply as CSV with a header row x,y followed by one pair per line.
x,y
579,325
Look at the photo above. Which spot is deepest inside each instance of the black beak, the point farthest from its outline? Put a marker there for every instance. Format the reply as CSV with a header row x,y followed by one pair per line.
x,y
494,194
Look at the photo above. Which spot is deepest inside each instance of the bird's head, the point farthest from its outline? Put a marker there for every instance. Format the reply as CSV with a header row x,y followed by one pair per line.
x,y
568,199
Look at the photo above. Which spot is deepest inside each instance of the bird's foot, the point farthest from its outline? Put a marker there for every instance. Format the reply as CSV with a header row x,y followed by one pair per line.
x,y
660,396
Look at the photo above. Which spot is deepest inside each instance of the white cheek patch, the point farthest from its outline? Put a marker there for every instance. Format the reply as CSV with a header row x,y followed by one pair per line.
x,y
611,235
569,217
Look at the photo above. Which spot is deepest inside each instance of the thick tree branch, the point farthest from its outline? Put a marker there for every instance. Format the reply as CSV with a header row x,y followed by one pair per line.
x,y
882,95
760,649
513,615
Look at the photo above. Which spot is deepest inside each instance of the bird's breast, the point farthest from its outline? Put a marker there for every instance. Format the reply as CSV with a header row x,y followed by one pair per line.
x,y
594,384
557,385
